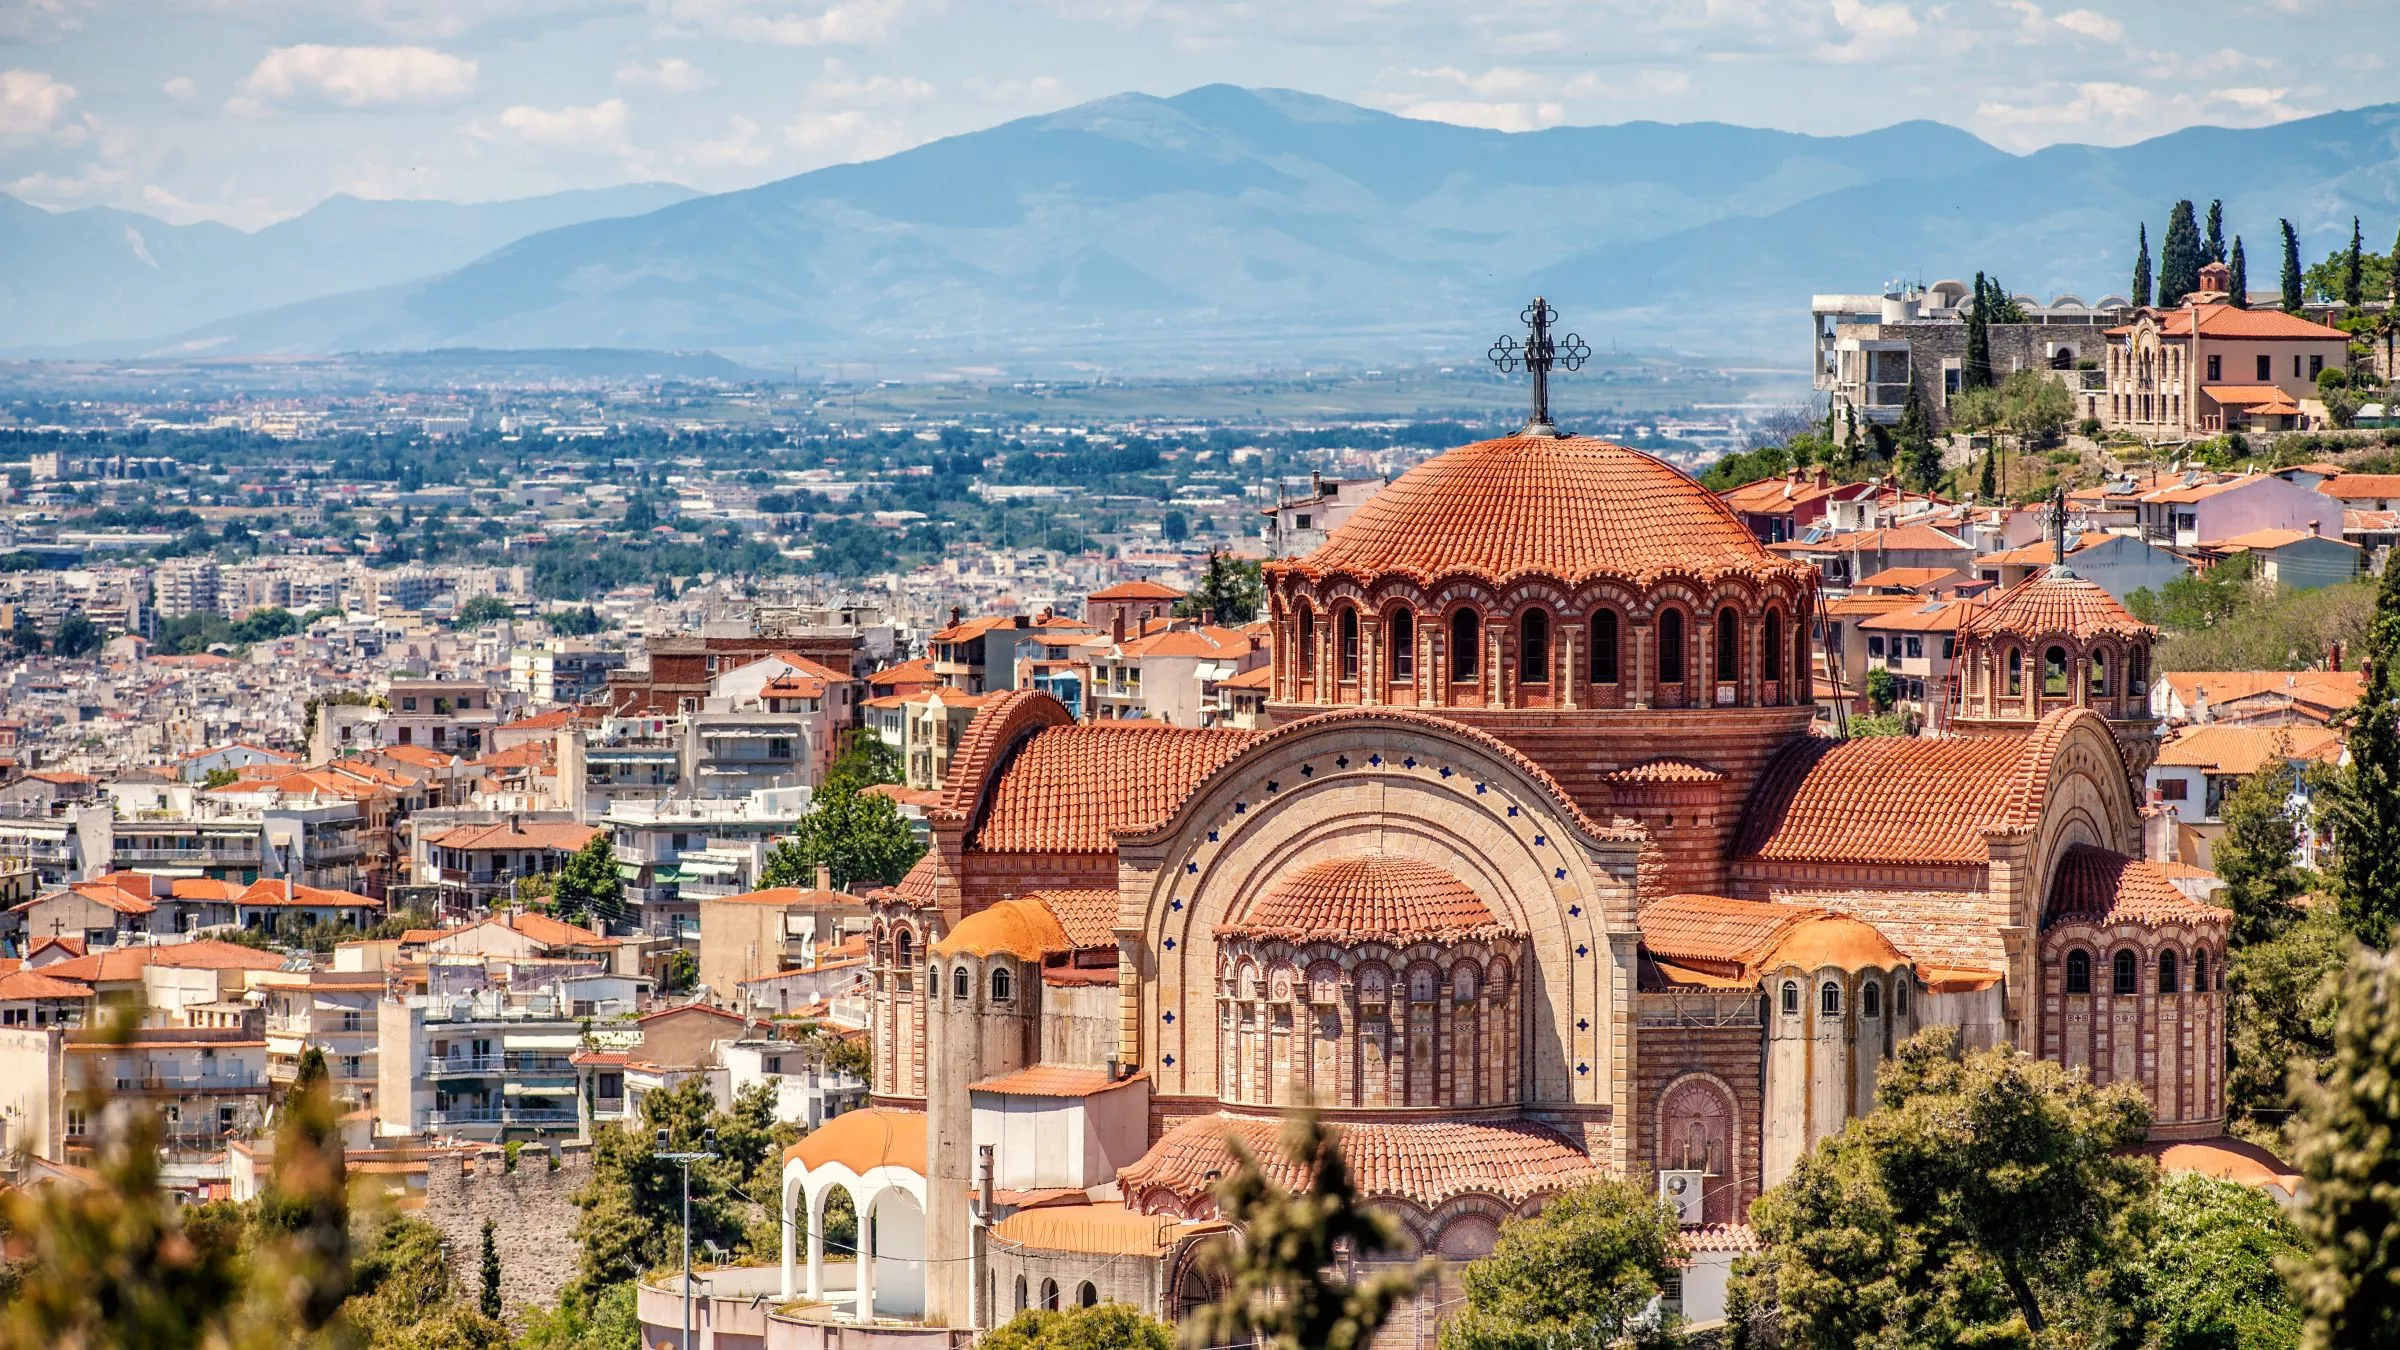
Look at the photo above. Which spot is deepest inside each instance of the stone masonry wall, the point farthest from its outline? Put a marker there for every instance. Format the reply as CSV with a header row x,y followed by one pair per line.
x,y
533,1213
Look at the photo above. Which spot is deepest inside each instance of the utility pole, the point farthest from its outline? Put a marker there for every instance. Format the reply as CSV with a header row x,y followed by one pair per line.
x,y
707,1152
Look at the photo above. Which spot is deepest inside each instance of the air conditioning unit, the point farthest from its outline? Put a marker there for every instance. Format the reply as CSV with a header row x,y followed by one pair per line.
x,y
1680,1191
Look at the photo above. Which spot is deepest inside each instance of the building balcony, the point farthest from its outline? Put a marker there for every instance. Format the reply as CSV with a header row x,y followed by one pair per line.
x,y
243,1081
544,1115
463,1066
464,1115
608,1108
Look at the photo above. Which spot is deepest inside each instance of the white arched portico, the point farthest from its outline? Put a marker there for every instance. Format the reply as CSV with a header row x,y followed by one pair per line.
x,y
878,1158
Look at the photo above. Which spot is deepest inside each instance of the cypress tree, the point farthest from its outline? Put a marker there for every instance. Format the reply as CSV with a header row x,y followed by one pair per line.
x,y
2350,1171
2141,272
491,1272
2292,297
2212,249
1987,488
1976,372
2353,266
2179,262
2258,855
2364,807
2240,285
1915,435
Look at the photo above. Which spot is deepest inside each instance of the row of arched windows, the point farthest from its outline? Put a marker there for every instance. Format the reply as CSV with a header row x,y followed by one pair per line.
x,y
1605,659
2125,973
1086,1295
1829,998
2055,674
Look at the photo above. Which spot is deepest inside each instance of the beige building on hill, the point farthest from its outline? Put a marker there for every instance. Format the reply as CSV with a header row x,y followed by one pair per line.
x,y
2210,366
751,936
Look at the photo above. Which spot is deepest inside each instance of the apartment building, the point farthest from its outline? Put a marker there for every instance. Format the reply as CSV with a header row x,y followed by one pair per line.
x,y
209,1083
333,1011
1871,350
453,716
480,864
185,587
481,1065
674,853
746,937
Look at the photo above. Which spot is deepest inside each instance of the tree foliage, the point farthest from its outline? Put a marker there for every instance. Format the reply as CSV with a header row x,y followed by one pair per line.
x,y
2349,1216
632,1218
1283,1289
1583,1271
2258,855
587,886
1103,1326
1231,591
2363,807
866,760
859,836
1984,1202
2239,284
480,610
2208,1267
2293,298
2279,1015
2141,270
2179,259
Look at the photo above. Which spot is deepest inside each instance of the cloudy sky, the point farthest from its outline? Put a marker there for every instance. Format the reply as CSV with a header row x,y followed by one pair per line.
x,y
247,111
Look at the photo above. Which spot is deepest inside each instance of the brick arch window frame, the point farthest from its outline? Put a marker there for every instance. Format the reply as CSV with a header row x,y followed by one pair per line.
x,y
2058,671
1400,629
1533,646
2170,979
1729,645
1771,640
1304,640
1671,655
1606,657
2125,972
1801,665
2078,975
1346,643
2200,970
1465,626
2012,660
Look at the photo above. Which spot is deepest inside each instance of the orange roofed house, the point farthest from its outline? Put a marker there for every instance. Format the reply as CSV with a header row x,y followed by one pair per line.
x,y
2208,366
1534,873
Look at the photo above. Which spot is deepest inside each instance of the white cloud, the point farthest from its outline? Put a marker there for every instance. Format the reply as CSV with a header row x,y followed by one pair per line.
x,y
740,147
843,23
875,91
31,102
1497,116
1038,91
357,77
671,75
1874,21
181,88
1640,84
2092,24
2109,112
601,126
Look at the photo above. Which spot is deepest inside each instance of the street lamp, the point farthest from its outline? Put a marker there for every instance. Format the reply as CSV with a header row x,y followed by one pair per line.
x,y
707,1152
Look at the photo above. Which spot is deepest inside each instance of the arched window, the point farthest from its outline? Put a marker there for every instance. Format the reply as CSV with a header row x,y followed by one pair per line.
x,y
1348,631
2126,981
1800,665
1533,648
1729,645
1304,640
1670,646
2200,971
961,983
1050,1296
901,955
1829,999
2054,672
1087,1295
1020,1293
1791,998
2099,675
1870,999
1462,985
1466,643
2079,972
2167,981
1404,646
1002,985
1774,640
1604,646
2016,672
1900,995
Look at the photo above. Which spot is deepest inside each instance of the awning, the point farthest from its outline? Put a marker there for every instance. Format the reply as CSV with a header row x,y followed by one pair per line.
x,y
564,1040
536,1090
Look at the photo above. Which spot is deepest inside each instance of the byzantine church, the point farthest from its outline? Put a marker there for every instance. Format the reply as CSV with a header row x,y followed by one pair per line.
x,y
1540,873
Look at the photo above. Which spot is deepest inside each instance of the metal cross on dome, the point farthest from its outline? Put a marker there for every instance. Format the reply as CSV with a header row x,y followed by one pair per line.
x,y
1538,355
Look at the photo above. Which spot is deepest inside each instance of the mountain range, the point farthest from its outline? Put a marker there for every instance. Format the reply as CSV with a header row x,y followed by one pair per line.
x,y
1221,227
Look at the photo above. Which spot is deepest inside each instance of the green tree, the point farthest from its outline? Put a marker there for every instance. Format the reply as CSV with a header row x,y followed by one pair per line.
x,y
2353,276
2212,246
304,1209
1230,592
587,886
2208,1267
407,1297
2292,297
481,610
1976,370
2363,808
490,1299
640,516
607,1320
574,622
1283,1288
2258,855
2279,1012
2349,1215
2035,409
866,760
1175,527
1883,689
1103,1326
77,636
2179,260
1983,1202
1987,483
1921,457
2141,271
217,778
1581,1272
632,1207
2239,285
860,836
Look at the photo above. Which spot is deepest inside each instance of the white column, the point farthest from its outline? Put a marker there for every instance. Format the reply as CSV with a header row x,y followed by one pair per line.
x,y
865,1284
816,1246
785,1210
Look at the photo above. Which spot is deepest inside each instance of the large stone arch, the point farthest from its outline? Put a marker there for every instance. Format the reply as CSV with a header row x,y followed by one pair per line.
x,y
1411,785
2081,795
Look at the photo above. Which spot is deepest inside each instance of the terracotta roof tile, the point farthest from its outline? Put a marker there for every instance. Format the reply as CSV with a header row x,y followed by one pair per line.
x,y
2050,603
1944,932
1022,928
2362,486
269,892
1428,1163
2094,885
1573,508
1716,930
1070,788
1884,799
563,835
2270,538
1099,1230
1372,898
864,1140
22,984
2332,689
1087,917
1137,590
1666,769
1052,1080
2246,750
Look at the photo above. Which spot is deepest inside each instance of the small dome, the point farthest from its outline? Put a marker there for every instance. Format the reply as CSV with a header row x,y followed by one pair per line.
x,y
1571,507
1025,929
1367,899
1835,940
2055,602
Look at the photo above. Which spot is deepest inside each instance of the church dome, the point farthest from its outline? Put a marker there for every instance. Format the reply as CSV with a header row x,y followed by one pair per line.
x,y
1570,507
1367,899
2055,602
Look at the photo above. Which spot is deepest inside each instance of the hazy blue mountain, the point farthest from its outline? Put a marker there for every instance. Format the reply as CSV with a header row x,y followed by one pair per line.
x,y
74,276
1225,227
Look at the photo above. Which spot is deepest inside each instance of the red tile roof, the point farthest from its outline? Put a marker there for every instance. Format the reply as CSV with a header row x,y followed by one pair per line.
x,y
23,984
2228,321
2096,886
1715,931
2361,486
1087,917
1099,1230
125,963
864,1140
1137,590
1572,508
2050,603
1052,1080
1070,788
1666,769
269,892
1371,898
564,835
1891,799
1429,1163
2245,750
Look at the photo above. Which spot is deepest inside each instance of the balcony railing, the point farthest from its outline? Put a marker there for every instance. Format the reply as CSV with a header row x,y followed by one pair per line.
x,y
464,1115
608,1106
457,1066
543,1115
192,1082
